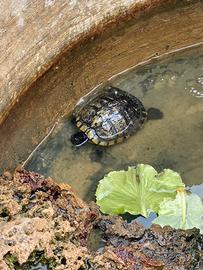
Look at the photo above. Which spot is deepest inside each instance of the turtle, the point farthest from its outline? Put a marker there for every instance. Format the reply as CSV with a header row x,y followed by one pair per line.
x,y
109,117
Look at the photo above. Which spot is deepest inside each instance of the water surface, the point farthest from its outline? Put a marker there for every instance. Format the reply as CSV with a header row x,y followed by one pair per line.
x,y
173,85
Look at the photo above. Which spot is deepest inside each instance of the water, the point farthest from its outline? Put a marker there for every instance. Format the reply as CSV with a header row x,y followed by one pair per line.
x,y
173,85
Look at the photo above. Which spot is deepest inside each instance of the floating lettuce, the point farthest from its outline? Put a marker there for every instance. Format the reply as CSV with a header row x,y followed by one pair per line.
x,y
185,212
137,191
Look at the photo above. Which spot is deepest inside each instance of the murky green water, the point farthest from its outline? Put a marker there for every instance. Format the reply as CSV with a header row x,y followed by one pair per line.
x,y
173,85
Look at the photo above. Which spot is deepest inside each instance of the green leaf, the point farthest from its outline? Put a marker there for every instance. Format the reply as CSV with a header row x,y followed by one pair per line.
x,y
185,212
139,190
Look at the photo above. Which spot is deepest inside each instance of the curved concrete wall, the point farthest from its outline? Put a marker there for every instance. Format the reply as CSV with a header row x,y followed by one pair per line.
x,y
34,32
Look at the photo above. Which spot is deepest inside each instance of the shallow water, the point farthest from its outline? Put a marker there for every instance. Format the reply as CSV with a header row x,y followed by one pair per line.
x,y
173,85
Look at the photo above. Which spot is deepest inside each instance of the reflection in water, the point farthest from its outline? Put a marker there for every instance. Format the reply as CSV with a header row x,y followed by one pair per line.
x,y
196,87
198,189
173,142
39,267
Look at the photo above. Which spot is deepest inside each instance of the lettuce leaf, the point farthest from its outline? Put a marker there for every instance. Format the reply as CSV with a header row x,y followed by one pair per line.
x,y
137,191
185,212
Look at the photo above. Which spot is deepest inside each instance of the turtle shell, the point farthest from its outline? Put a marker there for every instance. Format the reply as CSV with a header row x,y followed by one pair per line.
x,y
110,116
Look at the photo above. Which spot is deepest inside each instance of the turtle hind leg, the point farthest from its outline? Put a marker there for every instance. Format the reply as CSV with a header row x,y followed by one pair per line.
x,y
154,114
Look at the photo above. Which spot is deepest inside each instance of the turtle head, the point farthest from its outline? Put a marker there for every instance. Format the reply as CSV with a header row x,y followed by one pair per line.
x,y
79,138
154,114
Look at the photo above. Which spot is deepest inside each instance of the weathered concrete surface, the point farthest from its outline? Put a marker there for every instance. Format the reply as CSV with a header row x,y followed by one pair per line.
x,y
34,32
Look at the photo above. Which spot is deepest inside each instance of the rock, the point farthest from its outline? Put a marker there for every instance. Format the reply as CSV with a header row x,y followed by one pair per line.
x,y
45,224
